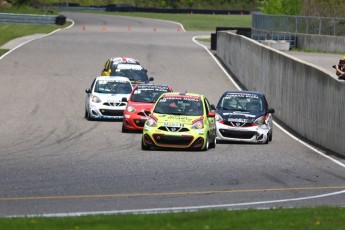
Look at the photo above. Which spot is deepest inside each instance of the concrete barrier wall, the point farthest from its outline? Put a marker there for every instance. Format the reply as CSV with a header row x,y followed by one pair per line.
x,y
321,42
316,42
306,98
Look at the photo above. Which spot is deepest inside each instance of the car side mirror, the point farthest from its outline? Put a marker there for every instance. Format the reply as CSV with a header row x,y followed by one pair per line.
x,y
211,114
124,99
151,79
213,107
271,110
88,91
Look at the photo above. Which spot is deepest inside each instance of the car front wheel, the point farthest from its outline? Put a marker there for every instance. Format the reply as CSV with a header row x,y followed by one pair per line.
x,y
143,146
207,145
87,115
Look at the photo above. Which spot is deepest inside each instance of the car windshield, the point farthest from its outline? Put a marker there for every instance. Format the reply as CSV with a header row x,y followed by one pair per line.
x,y
241,102
113,87
179,106
131,74
148,94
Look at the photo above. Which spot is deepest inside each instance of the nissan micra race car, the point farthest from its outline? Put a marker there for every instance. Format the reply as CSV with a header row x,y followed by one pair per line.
x,y
135,73
140,104
244,116
107,98
111,64
180,120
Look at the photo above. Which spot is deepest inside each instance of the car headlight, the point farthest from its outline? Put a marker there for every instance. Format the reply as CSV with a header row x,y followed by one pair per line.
x,y
218,118
260,121
130,109
151,122
96,99
198,125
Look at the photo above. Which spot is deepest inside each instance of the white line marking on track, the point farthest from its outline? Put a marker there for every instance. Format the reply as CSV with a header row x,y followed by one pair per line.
x,y
182,209
11,50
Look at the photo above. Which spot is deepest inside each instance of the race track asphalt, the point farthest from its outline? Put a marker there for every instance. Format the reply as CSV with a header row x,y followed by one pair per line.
x,y
55,162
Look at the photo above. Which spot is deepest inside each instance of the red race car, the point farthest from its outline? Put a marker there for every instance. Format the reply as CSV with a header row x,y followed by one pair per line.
x,y
140,103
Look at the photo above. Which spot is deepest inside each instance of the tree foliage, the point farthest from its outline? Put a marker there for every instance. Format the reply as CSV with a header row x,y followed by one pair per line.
x,y
324,8
286,7
196,4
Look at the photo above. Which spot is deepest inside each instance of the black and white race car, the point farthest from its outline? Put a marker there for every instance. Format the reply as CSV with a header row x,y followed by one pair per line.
x,y
244,116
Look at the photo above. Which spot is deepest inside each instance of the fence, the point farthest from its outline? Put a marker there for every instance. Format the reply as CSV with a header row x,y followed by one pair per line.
x,y
299,24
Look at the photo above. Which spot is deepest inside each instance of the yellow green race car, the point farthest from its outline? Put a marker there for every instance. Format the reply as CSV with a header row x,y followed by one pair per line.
x,y
180,120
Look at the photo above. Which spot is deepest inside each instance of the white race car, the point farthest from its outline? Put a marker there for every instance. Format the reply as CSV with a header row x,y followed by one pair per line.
x,y
244,116
107,98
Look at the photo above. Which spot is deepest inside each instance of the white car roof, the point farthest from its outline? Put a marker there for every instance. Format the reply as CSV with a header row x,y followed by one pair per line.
x,y
129,66
124,60
113,78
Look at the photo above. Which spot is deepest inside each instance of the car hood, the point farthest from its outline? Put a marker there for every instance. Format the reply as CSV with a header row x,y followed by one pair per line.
x,y
141,105
246,116
134,83
111,97
175,119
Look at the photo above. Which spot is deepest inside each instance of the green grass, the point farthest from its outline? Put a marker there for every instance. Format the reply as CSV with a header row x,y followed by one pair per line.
x,y
12,31
199,22
27,10
303,218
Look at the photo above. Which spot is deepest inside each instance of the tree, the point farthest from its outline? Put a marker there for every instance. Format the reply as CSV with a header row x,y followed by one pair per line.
x,y
286,7
324,8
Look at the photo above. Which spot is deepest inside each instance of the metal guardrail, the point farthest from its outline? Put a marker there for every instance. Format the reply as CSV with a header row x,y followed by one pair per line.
x,y
8,18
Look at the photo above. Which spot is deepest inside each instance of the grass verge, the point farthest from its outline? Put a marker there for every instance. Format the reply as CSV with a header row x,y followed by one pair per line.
x,y
302,218
198,22
12,31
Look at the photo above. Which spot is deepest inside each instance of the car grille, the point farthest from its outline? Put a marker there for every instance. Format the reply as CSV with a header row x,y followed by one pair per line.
x,y
143,113
173,129
238,124
115,104
237,134
173,140
108,112
139,122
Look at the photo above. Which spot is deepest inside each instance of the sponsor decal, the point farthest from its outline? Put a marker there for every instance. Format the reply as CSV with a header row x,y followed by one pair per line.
x,y
177,125
243,95
176,117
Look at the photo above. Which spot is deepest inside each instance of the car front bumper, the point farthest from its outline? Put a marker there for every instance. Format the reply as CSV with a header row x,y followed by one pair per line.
x,y
192,139
252,134
106,112
133,121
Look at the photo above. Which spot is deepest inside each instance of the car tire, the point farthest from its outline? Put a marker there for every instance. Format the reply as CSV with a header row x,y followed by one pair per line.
x,y
124,130
270,137
214,142
87,115
143,146
207,145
